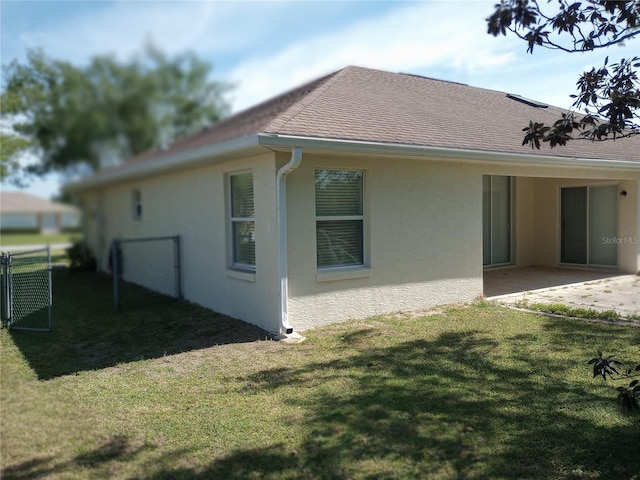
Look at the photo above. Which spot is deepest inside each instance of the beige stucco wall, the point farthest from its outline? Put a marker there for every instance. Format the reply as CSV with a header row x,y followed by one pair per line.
x,y
423,225
193,204
423,233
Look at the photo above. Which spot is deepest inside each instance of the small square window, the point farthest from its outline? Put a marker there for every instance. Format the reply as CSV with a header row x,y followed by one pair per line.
x,y
136,205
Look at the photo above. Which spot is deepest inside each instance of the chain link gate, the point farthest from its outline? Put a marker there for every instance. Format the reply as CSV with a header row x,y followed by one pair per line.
x,y
26,298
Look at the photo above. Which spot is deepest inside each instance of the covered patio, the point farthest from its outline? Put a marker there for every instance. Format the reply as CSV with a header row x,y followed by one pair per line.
x,y
505,281
599,289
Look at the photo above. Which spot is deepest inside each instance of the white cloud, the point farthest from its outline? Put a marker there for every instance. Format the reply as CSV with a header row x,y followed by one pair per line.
x,y
123,27
416,38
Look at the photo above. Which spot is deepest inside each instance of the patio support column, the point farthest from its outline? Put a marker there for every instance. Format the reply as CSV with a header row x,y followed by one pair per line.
x,y
636,240
628,236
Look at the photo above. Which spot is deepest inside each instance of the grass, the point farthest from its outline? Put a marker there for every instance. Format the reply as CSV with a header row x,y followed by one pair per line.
x,y
565,310
19,239
170,390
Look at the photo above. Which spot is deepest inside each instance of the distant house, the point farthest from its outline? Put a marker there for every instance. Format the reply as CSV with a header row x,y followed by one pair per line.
x,y
367,192
21,211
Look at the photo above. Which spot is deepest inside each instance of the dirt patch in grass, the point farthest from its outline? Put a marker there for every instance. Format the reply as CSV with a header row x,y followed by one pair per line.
x,y
89,334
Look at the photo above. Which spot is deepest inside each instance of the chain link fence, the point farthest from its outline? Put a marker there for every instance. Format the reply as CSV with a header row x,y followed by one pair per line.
x,y
26,290
148,263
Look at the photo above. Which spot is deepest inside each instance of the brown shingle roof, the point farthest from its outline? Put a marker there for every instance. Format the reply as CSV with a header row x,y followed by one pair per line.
x,y
251,121
376,106
21,202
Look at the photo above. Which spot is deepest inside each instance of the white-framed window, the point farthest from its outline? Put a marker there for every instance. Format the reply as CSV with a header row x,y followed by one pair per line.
x,y
242,220
339,218
136,205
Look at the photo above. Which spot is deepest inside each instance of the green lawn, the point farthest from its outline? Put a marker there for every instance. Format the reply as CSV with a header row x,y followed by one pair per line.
x,y
166,390
17,239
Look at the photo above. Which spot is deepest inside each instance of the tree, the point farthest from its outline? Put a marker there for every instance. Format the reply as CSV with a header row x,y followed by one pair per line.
x,y
609,95
89,117
11,147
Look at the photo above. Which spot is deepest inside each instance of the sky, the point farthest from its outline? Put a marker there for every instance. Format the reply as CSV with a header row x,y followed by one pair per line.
x,y
264,48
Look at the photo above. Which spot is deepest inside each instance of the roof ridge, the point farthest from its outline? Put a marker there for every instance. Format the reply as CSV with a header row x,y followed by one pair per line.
x,y
305,101
425,77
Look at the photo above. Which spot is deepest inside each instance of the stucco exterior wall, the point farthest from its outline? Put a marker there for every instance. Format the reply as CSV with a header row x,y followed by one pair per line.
x,y
423,230
194,205
629,226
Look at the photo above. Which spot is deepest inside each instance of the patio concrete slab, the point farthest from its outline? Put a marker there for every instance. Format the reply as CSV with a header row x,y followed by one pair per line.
x,y
590,289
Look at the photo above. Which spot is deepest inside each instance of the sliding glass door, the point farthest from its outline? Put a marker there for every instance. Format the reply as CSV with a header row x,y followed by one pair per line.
x,y
574,226
496,220
589,225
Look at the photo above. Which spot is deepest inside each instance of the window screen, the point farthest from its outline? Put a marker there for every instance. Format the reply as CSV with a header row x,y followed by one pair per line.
x,y
243,229
339,218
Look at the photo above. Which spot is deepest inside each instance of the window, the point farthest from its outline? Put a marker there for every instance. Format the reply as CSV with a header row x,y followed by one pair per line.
x,y
339,218
243,227
136,205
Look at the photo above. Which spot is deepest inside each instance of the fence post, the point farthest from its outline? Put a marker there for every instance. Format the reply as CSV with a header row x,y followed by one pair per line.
x,y
4,314
177,267
9,272
115,248
49,273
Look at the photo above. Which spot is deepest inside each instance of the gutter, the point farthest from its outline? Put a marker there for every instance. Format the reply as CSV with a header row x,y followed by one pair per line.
x,y
281,213
234,148
256,143
385,148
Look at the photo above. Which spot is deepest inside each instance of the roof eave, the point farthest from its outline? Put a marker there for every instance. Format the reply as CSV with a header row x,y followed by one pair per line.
x,y
277,141
254,144
222,151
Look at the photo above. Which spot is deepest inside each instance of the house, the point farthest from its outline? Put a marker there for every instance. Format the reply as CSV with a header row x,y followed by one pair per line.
x,y
20,211
367,192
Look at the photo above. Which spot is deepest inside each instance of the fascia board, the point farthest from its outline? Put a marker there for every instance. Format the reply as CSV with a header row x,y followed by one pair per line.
x,y
417,151
246,145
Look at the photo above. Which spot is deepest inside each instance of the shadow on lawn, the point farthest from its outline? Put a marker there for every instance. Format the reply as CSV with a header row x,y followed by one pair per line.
x,y
474,427
461,405
115,450
443,408
89,334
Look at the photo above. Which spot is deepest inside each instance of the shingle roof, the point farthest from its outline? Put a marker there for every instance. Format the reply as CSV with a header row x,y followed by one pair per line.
x,y
21,202
363,104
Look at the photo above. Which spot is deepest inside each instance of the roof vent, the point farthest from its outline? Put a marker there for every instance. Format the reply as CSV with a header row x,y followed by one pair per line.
x,y
526,101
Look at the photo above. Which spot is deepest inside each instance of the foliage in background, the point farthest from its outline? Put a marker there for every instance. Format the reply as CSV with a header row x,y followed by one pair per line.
x,y
609,95
11,148
81,258
97,115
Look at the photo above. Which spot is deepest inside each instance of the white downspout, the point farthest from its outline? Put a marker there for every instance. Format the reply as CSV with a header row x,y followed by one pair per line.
x,y
281,212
